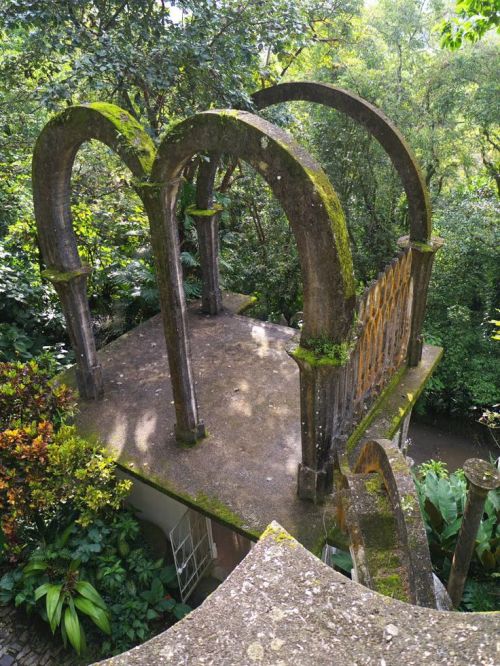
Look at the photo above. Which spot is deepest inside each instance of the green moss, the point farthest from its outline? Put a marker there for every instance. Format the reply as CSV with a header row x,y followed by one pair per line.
x,y
339,228
137,140
204,212
422,247
376,410
214,507
278,535
321,351
391,586
373,485
53,275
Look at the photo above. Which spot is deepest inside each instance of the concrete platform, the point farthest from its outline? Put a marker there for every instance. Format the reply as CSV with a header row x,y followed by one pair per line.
x,y
244,473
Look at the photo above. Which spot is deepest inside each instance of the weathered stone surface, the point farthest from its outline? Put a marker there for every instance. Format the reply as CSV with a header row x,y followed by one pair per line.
x,y
282,605
388,536
244,473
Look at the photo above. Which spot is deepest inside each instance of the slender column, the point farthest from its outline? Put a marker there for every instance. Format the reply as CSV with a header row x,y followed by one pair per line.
x,y
482,477
71,287
207,227
421,267
318,386
189,428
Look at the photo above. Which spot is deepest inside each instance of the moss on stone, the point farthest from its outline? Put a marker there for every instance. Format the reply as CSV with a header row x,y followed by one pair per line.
x,y
204,212
279,535
337,357
376,410
53,275
139,141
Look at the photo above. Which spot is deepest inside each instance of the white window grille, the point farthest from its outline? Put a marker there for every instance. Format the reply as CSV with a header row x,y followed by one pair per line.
x,y
193,548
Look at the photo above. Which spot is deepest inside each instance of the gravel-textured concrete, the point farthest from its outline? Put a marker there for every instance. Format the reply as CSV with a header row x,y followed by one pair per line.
x,y
283,606
245,472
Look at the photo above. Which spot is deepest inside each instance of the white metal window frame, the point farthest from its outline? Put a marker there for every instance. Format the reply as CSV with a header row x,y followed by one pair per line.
x,y
193,548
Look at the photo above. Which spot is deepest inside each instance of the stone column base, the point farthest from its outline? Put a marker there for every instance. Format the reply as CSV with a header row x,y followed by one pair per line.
x,y
314,485
190,437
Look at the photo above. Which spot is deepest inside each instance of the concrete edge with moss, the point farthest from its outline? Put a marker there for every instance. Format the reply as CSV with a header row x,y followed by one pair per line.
x,y
282,605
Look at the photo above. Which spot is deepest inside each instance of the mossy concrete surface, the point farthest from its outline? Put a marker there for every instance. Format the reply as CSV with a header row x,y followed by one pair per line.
x,y
244,474
283,606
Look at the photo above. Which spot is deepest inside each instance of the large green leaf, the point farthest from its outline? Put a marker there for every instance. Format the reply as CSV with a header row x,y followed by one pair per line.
x,y
34,567
446,501
41,591
72,627
96,614
452,529
56,617
53,595
89,592
181,610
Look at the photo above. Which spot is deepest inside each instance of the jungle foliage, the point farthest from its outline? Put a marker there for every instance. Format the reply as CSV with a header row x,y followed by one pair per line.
x,y
442,502
69,550
162,61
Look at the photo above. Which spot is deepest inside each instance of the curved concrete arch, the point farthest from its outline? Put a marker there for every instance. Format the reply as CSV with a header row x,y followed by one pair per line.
x,y
53,159
383,458
309,202
302,188
377,123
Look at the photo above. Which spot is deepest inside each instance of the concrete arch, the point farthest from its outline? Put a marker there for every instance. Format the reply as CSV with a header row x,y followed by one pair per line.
x,y
309,202
53,159
377,123
301,187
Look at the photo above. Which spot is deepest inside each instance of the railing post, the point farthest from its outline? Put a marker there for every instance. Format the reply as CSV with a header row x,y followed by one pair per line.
x,y
482,477
421,267
71,287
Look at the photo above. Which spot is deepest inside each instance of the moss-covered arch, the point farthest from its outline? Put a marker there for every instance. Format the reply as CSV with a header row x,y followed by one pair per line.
x,y
378,125
302,188
52,165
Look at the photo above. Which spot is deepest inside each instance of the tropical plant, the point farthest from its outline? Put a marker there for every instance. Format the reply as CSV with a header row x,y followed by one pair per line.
x,y
103,572
442,501
47,478
28,395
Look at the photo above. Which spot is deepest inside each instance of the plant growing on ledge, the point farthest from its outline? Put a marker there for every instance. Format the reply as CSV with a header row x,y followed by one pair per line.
x,y
322,351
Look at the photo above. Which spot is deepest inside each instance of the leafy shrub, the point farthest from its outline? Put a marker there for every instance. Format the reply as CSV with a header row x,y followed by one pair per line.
x,y
442,500
99,574
27,395
45,477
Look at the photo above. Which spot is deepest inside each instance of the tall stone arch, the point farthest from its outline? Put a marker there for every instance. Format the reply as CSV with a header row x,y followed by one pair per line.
x,y
318,224
403,160
53,159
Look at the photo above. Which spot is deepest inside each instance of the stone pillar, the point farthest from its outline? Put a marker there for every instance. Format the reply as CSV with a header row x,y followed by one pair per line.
x,y
317,405
482,477
189,428
71,287
207,227
421,267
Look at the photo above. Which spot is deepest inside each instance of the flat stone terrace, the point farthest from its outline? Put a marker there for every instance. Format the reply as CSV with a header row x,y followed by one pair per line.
x,y
244,472
283,606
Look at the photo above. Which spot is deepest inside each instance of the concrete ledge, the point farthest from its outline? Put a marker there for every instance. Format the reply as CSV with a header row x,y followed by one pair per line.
x,y
283,606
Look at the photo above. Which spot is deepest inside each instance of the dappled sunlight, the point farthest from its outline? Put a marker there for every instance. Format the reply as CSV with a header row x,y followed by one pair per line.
x,y
260,336
145,430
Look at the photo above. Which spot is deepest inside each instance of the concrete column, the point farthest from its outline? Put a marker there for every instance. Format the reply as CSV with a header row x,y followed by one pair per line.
x,y
421,267
71,287
317,404
207,227
482,477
